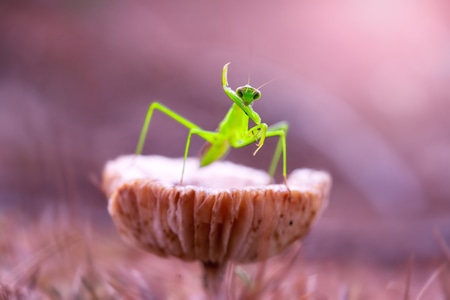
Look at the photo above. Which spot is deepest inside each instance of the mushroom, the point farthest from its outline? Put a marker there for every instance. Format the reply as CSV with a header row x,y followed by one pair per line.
x,y
222,212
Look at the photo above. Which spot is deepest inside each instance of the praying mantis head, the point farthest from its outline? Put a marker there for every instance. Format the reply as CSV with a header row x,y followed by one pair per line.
x,y
248,94
245,95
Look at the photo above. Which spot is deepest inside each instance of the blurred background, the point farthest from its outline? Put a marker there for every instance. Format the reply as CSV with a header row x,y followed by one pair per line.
x,y
363,85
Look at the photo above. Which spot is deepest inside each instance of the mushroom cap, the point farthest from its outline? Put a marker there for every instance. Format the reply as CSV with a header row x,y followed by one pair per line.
x,y
222,212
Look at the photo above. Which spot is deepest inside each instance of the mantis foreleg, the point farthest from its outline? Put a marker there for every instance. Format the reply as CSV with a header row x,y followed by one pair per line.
x,y
247,109
259,134
280,130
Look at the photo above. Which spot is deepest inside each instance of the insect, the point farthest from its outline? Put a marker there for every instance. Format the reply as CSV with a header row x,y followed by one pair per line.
x,y
233,131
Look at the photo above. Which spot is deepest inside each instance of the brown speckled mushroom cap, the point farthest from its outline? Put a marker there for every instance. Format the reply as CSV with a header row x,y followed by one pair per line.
x,y
221,212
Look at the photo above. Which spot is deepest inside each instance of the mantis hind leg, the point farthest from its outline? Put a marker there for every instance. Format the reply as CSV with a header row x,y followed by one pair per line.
x,y
167,111
193,128
209,136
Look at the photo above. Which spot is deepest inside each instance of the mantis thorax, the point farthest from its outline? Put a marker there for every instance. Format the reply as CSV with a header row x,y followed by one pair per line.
x,y
248,94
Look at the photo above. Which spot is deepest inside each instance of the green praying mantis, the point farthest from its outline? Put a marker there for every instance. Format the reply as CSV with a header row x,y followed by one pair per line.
x,y
233,131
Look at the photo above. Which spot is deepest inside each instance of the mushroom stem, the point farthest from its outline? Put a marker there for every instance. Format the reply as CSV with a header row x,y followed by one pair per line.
x,y
213,274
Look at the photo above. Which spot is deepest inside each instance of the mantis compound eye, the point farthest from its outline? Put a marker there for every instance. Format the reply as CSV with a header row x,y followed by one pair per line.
x,y
239,92
256,95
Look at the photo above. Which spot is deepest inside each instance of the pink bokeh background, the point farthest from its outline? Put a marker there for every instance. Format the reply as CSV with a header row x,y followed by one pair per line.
x,y
363,85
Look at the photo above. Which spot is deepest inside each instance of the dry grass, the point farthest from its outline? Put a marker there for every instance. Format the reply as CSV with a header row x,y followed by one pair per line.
x,y
39,260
